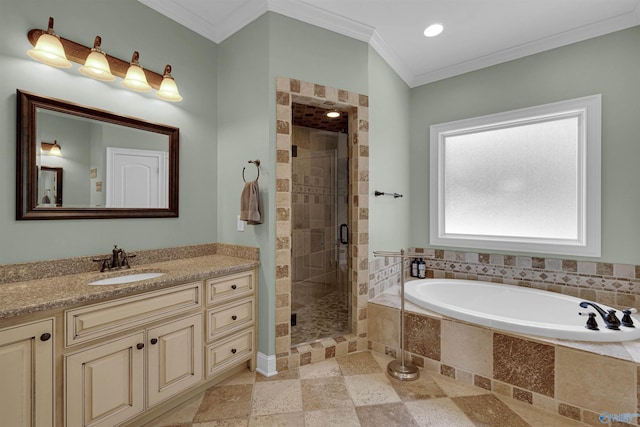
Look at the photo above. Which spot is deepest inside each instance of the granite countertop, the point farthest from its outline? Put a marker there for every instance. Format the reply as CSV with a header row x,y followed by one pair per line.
x,y
20,298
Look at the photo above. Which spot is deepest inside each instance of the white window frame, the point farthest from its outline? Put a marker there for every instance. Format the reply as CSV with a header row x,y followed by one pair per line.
x,y
588,241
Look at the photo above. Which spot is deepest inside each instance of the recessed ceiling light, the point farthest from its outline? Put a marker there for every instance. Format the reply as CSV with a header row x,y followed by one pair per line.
x,y
333,114
433,30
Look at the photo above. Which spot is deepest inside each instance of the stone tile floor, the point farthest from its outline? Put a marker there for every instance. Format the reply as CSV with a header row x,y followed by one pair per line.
x,y
353,390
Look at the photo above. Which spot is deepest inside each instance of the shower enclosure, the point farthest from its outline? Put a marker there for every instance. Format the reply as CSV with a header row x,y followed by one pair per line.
x,y
321,294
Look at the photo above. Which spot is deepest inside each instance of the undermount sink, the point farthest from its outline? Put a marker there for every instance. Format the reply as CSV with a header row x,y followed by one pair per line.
x,y
127,278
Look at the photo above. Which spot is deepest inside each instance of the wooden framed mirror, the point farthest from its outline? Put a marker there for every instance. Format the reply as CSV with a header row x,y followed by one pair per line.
x,y
111,166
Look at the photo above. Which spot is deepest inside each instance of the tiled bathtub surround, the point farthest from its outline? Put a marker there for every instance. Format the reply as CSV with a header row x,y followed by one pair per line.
x,y
384,273
616,285
573,379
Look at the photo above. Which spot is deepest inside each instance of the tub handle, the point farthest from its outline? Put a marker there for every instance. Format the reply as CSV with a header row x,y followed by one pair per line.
x,y
591,321
626,319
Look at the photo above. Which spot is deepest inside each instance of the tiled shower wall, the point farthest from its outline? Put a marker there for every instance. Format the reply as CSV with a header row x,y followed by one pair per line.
x,y
611,284
313,199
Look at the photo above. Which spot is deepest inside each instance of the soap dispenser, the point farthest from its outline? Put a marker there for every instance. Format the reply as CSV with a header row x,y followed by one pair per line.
x,y
422,269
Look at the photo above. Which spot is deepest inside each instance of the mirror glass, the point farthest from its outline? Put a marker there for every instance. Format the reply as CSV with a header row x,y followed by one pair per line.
x,y
109,166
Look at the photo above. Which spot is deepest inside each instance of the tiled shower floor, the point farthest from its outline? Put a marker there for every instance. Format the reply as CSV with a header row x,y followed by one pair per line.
x,y
319,316
353,390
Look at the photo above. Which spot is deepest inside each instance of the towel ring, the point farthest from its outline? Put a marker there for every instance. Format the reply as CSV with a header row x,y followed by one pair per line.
x,y
255,162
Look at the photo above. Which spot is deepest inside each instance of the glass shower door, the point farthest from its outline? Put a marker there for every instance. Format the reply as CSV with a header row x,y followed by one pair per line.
x,y
320,291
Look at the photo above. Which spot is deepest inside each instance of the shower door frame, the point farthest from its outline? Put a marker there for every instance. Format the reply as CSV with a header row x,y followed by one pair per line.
x,y
356,105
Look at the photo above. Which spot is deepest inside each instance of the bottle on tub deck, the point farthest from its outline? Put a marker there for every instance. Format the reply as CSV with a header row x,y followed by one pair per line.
x,y
414,268
422,269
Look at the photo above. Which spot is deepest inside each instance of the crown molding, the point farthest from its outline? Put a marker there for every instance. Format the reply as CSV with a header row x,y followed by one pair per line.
x,y
313,15
378,44
241,17
310,14
586,32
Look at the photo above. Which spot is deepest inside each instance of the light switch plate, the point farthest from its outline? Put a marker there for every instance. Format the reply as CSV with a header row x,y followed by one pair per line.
x,y
241,224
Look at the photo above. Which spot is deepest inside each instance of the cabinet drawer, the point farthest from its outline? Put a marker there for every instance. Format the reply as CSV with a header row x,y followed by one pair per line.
x,y
227,352
230,317
94,321
229,287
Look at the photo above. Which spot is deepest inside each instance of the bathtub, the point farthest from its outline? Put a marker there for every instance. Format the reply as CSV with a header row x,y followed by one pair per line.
x,y
514,309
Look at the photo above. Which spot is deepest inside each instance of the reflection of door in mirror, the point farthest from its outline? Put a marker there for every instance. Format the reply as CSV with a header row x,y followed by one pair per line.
x,y
136,178
49,187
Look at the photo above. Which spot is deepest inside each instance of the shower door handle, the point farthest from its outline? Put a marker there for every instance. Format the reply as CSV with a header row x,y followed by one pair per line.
x,y
344,234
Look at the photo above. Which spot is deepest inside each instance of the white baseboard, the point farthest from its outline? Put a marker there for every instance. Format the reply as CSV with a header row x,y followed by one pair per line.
x,y
266,365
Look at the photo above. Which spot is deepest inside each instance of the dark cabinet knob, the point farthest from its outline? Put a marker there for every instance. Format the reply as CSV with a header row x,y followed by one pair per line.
x,y
233,350
233,287
234,317
154,340
140,346
45,337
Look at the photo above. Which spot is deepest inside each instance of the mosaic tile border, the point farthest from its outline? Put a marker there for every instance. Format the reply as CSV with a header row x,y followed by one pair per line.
x,y
357,105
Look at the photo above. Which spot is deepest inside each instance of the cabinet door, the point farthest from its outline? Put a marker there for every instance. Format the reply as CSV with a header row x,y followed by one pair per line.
x,y
175,357
26,375
105,383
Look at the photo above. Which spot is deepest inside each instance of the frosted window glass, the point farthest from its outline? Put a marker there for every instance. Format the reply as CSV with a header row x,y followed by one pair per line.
x,y
515,181
526,180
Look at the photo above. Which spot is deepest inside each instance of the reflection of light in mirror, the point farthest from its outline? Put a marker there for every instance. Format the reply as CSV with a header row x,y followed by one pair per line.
x,y
47,148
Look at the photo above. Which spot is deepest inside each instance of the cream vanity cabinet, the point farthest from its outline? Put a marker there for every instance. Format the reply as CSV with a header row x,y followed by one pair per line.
x,y
27,374
119,378
231,313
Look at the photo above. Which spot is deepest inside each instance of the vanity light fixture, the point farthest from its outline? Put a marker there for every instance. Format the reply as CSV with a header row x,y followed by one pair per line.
x,y
433,30
135,78
48,49
58,51
333,114
168,89
51,149
96,66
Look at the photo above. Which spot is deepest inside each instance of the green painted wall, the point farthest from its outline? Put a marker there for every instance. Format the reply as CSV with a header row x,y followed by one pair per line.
x,y
124,26
243,135
248,64
389,153
228,118
609,65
